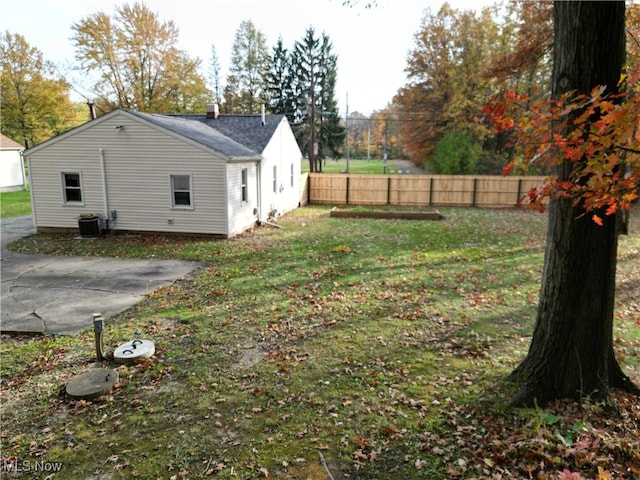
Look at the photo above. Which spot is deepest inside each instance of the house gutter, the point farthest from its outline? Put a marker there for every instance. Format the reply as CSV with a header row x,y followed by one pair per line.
x,y
243,159
105,196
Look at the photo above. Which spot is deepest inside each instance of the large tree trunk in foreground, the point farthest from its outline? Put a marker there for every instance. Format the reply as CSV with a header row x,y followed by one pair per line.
x,y
571,353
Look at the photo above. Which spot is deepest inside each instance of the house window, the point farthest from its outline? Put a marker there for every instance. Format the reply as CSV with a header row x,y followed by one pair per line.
x,y
275,179
71,187
292,174
243,185
181,191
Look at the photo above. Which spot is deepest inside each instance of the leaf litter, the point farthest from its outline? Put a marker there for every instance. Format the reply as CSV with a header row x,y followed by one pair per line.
x,y
386,357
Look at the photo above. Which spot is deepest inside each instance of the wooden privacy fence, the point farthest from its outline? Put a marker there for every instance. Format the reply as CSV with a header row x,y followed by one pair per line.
x,y
488,191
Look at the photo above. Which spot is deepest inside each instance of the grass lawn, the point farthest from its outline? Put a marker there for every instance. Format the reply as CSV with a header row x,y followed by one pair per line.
x,y
370,349
356,166
15,204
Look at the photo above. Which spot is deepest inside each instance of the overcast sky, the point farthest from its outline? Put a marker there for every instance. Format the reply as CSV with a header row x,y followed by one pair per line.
x,y
371,44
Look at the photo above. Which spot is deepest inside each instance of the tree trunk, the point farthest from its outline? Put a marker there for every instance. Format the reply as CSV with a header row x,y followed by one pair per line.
x,y
571,353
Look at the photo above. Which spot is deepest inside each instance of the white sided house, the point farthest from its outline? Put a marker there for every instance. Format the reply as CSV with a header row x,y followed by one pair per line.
x,y
12,176
207,174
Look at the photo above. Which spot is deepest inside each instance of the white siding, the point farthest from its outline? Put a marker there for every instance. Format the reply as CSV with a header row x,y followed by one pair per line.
x,y
11,173
138,162
241,215
45,171
281,152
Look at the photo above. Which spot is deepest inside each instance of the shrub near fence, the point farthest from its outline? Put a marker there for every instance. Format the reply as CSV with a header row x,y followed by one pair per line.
x,y
490,191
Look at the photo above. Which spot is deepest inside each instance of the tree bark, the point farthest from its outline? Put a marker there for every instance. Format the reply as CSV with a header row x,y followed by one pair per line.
x,y
571,354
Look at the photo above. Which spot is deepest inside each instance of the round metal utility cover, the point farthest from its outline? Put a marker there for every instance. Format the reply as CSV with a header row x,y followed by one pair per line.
x,y
133,350
92,384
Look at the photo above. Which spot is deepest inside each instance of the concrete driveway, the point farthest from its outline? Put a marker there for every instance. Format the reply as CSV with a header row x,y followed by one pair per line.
x,y
52,295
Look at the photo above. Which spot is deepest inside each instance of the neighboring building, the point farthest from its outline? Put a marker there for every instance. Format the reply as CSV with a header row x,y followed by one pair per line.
x,y
211,174
12,176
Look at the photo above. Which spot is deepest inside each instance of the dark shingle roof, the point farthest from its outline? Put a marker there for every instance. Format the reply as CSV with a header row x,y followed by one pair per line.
x,y
234,136
247,130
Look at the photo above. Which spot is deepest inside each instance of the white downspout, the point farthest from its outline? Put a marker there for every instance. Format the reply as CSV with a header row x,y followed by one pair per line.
x,y
34,214
105,196
22,172
259,189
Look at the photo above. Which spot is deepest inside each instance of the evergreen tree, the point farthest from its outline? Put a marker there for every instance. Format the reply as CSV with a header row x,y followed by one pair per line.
x,y
315,118
245,91
214,75
279,83
332,133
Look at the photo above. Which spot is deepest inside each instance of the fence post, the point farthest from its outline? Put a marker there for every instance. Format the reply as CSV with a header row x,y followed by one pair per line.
x,y
347,190
519,191
388,190
473,195
431,191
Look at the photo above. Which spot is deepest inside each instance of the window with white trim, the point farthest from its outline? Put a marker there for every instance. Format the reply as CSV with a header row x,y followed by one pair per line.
x,y
71,187
244,176
292,174
181,195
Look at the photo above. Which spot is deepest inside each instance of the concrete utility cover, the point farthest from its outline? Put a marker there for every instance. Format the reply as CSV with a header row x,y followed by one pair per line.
x,y
92,384
131,351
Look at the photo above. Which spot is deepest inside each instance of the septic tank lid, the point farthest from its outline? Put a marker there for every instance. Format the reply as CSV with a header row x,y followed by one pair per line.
x,y
134,350
92,384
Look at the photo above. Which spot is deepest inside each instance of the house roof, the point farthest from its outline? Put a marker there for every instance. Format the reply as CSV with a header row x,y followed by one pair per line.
x,y
247,130
8,144
199,132
238,137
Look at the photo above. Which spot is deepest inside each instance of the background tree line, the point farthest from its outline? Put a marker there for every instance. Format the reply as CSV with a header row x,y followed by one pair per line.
x,y
133,61
460,59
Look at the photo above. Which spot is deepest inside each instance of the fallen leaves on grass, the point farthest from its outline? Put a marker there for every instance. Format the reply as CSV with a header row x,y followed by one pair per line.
x,y
568,440
388,360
